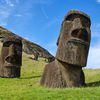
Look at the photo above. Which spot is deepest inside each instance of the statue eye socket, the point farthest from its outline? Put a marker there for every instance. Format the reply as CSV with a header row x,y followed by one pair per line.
x,y
81,34
7,44
18,48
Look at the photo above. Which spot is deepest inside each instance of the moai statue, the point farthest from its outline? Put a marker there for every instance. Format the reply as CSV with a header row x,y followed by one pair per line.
x,y
36,55
11,57
73,46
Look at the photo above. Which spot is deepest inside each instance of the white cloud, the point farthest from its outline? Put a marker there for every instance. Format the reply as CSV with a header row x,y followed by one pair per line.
x,y
94,52
94,57
9,2
98,1
18,15
44,13
6,9
95,29
4,14
41,1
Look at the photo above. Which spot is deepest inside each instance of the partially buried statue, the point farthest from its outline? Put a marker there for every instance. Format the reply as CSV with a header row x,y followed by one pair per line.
x,y
73,46
11,57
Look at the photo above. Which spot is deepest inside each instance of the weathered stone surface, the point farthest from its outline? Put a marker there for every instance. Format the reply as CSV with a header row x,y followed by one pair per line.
x,y
58,75
74,39
11,57
73,46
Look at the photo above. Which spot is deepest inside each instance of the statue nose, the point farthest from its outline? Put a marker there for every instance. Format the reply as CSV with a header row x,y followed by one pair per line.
x,y
11,54
80,34
11,50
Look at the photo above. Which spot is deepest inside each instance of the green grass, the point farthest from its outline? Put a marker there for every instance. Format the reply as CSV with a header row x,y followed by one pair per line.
x,y
27,87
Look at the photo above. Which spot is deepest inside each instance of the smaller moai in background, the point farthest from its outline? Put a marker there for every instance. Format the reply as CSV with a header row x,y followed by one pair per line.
x,y
73,46
11,57
36,57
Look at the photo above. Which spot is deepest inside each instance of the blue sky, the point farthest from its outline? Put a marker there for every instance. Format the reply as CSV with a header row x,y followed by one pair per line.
x,y
40,21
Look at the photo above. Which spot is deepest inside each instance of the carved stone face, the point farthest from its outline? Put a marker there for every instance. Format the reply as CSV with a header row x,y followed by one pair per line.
x,y
74,40
11,55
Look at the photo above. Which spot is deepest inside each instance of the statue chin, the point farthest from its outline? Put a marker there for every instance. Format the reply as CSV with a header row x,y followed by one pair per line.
x,y
74,53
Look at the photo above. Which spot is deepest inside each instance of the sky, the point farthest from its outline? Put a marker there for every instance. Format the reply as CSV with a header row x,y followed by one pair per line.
x,y
40,21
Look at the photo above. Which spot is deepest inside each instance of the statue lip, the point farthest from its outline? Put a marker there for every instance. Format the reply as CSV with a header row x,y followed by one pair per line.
x,y
79,41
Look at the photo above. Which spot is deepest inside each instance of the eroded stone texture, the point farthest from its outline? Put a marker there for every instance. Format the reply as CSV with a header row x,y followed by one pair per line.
x,y
73,46
74,39
11,57
58,74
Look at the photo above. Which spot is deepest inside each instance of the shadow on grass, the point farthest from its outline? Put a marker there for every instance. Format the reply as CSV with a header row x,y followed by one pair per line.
x,y
93,84
30,77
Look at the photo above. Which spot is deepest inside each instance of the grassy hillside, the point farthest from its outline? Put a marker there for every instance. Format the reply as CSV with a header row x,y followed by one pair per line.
x,y
27,87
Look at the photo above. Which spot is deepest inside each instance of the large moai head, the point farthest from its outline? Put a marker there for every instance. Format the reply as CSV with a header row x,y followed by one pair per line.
x,y
74,40
11,57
